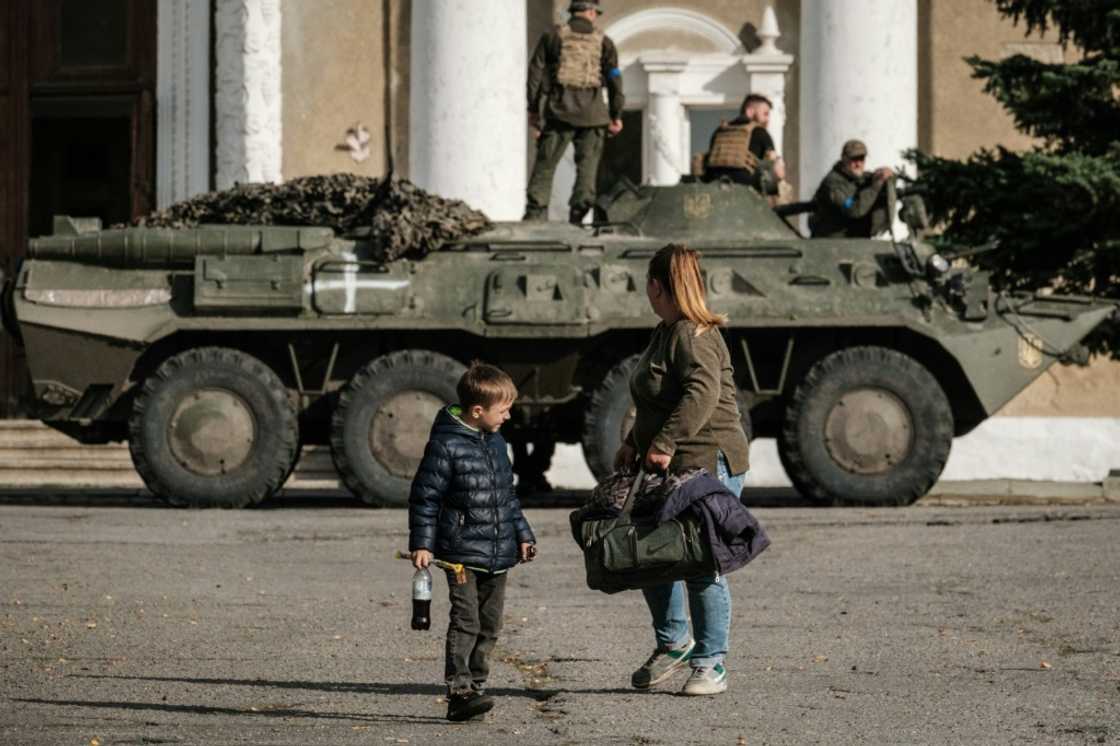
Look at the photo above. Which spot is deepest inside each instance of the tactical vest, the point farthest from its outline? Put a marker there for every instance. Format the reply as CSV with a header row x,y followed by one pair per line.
x,y
580,59
731,147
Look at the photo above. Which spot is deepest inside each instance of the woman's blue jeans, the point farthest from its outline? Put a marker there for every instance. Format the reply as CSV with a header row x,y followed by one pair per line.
x,y
709,603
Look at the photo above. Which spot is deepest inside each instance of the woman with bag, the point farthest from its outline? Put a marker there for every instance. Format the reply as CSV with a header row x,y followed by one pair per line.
x,y
687,417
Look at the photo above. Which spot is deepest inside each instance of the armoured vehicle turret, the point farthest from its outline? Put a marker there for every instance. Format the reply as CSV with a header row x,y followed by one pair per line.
x,y
216,352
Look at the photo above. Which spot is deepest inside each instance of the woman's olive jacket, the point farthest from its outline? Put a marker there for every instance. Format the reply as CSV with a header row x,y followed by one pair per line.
x,y
462,506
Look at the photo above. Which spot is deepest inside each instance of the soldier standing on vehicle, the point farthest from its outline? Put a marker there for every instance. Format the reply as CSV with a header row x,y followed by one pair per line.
x,y
570,68
743,151
851,203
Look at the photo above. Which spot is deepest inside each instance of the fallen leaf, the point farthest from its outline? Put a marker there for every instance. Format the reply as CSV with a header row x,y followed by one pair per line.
x,y
820,658
95,741
1044,664
91,625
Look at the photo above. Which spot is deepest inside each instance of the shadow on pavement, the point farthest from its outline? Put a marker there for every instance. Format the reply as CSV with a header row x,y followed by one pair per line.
x,y
355,687
274,712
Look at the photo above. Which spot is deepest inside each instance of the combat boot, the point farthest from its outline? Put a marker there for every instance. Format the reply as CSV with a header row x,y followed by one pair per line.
x,y
468,706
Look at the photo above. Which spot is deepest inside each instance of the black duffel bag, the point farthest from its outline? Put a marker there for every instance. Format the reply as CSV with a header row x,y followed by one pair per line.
x,y
623,553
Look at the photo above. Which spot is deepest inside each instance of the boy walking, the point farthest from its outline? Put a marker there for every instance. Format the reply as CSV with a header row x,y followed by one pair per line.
x,y
463,509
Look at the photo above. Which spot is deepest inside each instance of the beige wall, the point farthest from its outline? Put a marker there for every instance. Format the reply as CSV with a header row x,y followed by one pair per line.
x,y
334,78
958,118
1071,391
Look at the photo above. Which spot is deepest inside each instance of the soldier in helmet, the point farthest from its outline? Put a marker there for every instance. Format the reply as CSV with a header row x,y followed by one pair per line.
x,y
570,68
850,202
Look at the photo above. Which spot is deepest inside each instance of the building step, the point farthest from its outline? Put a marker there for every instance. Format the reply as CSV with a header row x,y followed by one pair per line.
x,y
33,455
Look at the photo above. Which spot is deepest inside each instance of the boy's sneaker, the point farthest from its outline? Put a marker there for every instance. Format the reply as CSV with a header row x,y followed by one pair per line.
x,y
462,707
661,665
706,681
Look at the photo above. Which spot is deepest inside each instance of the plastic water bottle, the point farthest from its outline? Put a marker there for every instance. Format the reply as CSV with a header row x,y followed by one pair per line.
x,y
422,599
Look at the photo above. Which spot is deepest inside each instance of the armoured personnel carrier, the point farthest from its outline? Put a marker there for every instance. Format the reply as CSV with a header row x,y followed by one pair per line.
x,y
217,351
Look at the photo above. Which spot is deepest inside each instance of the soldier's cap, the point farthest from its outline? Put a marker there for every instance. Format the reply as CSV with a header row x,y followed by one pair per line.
x,y
578,5
853,149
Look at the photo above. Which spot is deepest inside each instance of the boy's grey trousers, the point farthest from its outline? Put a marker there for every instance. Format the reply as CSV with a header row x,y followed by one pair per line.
x,y
476,620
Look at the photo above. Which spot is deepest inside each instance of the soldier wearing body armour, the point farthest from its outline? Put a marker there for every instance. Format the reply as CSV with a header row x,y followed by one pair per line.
x,y
743,151
850,202
570,68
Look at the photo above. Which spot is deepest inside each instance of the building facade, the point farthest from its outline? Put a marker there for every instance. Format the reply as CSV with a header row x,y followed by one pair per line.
x,y
144,102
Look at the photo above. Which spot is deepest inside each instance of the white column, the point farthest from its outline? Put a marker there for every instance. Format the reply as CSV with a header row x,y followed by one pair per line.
x,y
666,159
247,96
468,113
182,100
859,79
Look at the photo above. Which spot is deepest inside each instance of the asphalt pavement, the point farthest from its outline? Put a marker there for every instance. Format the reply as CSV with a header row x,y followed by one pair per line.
x,y
134,624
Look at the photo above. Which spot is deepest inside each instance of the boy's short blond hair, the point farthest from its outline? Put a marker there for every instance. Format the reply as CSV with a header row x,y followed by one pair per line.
x,y
485,385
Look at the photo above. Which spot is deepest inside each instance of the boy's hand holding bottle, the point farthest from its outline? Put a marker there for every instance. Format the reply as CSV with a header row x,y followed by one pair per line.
x,y
421,558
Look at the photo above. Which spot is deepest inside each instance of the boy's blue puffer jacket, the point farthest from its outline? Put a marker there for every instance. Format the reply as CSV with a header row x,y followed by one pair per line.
x,y
462,507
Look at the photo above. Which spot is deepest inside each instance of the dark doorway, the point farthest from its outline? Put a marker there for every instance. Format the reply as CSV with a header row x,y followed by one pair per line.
x,y
623,154
77,128
80,166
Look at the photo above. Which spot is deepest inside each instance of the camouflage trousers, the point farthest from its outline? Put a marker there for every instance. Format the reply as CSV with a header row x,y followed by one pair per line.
x,y
553,142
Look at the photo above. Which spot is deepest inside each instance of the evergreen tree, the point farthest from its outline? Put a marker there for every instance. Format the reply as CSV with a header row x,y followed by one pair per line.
x,y
1055,209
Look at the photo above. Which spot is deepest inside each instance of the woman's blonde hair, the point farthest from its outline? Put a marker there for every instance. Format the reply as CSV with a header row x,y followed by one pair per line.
x,y
677,268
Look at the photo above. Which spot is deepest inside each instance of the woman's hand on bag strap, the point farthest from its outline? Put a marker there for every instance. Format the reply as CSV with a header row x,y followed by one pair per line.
x,y
657,462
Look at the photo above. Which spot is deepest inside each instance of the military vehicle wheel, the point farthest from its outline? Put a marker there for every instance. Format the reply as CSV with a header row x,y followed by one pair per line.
x,y
384,415
610,415
213,428
867,426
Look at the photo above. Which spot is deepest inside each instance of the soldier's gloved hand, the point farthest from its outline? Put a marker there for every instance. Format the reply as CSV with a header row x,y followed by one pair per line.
x,y
884,173
614,127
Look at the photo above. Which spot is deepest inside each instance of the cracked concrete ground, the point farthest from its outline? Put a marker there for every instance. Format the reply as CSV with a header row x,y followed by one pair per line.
x,y
929,624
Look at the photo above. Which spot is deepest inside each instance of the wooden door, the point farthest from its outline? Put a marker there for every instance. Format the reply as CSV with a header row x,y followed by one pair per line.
x,y
14,136
77,127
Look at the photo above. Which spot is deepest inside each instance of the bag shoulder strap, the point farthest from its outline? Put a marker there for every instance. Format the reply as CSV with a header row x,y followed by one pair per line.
x,y
635,488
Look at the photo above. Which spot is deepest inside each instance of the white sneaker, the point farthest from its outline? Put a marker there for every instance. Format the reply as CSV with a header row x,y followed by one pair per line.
x,y
661,665
706,681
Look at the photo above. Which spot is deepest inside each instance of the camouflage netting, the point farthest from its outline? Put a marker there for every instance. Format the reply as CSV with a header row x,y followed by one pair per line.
x,y
404,220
